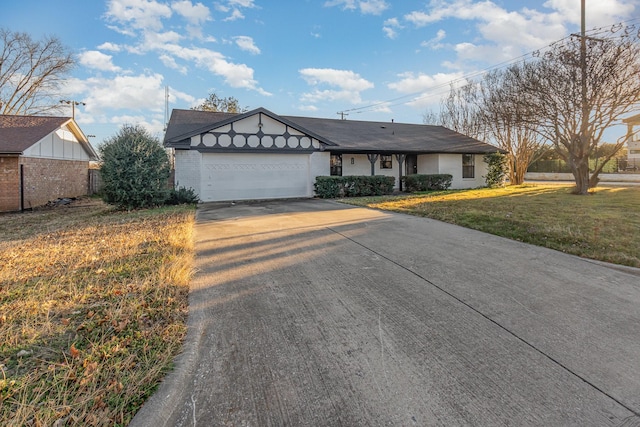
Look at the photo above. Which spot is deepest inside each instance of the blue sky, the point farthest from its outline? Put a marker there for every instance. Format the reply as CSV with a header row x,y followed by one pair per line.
x,y
374,59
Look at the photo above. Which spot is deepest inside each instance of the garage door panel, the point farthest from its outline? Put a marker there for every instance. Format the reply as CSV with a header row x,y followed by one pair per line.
x,y
255,176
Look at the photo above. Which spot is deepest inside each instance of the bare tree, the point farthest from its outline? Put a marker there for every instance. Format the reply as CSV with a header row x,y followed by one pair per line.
x,y
459,112
503,118
575,91
485,110
31,73
215,103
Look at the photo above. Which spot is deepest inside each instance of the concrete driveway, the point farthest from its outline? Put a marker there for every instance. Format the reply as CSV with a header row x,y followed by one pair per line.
x,y
313,313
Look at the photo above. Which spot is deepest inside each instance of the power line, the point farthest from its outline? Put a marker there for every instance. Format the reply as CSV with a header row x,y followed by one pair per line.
x,y
628,26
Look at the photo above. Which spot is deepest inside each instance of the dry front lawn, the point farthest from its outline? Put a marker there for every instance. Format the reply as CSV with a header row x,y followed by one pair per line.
x,y
92,310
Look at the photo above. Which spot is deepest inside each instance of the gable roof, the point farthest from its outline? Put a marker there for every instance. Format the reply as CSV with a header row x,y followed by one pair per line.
x,y
350,136
184,124
17,133
391,137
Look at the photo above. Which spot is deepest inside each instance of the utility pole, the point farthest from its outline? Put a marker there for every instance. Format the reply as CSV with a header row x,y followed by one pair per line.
x,y
73,106
342,114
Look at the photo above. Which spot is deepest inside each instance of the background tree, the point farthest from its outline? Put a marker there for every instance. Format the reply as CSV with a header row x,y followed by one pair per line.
x,y
31,73
224,105
458,112
502,115
484,110
135,169
572,95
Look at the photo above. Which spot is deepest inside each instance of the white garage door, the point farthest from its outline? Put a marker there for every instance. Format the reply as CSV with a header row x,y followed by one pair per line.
x,y
249,176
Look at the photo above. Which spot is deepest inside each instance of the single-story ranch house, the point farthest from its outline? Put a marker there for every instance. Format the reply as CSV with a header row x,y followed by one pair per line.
x,y
41,159
261,155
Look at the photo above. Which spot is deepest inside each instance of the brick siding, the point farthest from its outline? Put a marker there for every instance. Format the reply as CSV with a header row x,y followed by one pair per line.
x,y
49,179
9,184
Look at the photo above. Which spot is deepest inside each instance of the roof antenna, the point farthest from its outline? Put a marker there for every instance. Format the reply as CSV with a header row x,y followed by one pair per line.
x,y
342,115
166,107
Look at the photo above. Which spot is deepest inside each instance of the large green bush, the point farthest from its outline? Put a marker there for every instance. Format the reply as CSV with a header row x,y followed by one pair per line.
x,y
331,187
135,169
420,182
496,169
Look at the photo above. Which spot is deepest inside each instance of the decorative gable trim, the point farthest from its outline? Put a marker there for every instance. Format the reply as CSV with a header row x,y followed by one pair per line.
x,y
256,131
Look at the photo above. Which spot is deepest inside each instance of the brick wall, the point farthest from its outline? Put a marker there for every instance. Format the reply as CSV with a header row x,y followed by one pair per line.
x,y
9,184
49,179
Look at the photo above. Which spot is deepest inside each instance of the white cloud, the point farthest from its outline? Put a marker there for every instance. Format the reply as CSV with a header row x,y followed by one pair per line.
x,y
144,20
524,29
246,43
598,13
348,84
415,83
97,61
373,7
170,62
136,93
390,26
195,14
235,15
139,14
235,7
434,43
110,47
367,7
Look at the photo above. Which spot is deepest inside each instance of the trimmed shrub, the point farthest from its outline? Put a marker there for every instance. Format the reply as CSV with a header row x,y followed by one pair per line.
x,y
182,196
135,169
332,187
420,182
496,170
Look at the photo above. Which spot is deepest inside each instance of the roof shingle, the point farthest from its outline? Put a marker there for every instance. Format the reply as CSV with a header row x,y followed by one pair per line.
x,y
17,133
347,136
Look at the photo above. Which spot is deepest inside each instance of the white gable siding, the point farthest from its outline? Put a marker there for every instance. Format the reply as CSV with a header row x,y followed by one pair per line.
x,y
61,144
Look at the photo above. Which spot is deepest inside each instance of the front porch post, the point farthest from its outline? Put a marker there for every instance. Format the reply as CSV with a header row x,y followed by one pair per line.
x,y
400,158
373,158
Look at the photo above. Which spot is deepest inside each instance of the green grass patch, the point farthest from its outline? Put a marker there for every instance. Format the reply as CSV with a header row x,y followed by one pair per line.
x,y
604,225
93,304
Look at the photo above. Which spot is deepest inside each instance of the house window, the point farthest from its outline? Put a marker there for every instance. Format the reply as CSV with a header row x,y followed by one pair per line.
x,y
468,166
386,162
336,165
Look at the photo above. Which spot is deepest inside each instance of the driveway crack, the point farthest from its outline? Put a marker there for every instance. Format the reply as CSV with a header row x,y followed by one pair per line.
x,y
488,318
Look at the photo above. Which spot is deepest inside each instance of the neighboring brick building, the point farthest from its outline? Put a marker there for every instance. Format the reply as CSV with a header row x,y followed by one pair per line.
x,y
41,159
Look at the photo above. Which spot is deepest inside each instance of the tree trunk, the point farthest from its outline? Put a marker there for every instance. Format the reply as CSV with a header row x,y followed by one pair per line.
x,y
580,171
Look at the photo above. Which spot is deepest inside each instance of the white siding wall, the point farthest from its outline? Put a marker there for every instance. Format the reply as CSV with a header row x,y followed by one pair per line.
x,y
61,144
320,165
452,164
188,169
635,146
428,164
362,166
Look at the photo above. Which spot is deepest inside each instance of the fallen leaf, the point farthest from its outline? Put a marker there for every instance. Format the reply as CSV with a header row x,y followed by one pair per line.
x,y
66,321
74,351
